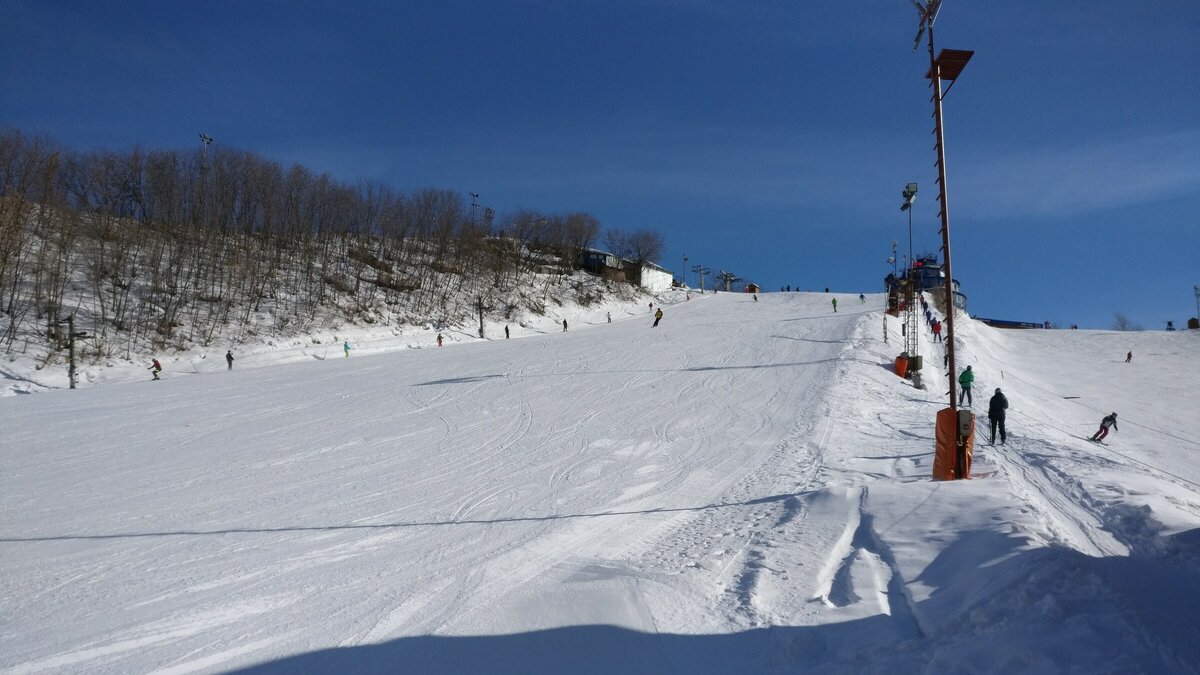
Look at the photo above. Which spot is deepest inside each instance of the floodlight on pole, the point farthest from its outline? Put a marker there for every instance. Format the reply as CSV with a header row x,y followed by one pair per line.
x,y
205,141
910,196
474,205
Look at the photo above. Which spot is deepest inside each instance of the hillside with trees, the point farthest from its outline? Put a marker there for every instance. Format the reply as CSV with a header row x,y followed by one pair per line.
x,y
171,250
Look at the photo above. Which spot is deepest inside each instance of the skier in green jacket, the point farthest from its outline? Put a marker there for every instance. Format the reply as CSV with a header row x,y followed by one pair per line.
x,y
964,384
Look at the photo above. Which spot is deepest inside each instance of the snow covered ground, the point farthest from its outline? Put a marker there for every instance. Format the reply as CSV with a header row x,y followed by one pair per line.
x,y
745,488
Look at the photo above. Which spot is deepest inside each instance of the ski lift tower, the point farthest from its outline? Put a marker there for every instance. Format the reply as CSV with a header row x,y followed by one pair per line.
x,y
955,433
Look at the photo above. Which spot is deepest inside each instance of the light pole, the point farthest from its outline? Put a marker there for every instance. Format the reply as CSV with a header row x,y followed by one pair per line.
x,y
685,270
474,205
1196,290
954,429
205,141
910,196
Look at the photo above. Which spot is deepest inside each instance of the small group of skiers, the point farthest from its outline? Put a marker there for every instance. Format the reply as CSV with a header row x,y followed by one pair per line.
x,y
156,367
998,406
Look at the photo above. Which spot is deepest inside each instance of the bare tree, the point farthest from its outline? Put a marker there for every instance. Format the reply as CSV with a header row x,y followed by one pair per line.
x,y
1122,322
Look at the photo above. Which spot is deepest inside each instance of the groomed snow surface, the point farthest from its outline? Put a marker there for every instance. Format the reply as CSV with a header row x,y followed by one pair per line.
x,y
744,489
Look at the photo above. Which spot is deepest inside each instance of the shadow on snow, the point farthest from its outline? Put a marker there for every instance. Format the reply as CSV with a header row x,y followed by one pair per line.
x,y
996,606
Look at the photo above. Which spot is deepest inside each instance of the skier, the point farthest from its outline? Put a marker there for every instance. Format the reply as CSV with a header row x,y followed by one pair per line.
x,y
834,301
346,348
564,325
756,297
505,331
964,382
609,314
156,368
652,307
229,358
996,408
862,299
1128,357
657,317
1108,421
937,331
439,339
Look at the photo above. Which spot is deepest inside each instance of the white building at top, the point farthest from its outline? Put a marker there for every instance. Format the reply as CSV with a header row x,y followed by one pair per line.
x,y
656,279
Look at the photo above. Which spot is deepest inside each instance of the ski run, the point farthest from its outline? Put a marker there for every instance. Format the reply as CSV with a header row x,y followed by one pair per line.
x,y
745,488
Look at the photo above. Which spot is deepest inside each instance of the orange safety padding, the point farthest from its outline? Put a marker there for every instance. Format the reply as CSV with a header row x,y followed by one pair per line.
x,y
945,448
901,366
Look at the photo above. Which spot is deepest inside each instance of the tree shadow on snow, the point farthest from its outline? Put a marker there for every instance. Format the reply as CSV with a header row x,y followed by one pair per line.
x,y
693,369
386,526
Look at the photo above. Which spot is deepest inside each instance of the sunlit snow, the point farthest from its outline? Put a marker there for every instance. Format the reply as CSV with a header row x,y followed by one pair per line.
x,y
744,489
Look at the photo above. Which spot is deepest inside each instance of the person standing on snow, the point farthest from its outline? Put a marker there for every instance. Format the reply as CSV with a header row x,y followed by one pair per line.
x,y
505,331
834,301
756,297
156,368
862,299
346,348
229,358
439,339
609,315
657,317
1128,357
937,331
964,383
1108,421
564,325
996,408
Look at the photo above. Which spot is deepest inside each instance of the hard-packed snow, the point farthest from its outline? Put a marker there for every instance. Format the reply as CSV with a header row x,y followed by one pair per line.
x,y
745,488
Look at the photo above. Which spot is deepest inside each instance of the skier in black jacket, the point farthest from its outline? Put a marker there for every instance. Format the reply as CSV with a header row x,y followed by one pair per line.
x,y
996,408
1108,421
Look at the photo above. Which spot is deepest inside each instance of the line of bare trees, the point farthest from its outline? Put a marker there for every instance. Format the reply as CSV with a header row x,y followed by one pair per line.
x,y
167,248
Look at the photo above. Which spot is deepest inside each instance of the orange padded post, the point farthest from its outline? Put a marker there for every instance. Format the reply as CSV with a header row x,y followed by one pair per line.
x,y
901,366
946,439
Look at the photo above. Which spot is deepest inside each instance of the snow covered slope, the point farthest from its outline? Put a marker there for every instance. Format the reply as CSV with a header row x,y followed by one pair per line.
x,y
743,489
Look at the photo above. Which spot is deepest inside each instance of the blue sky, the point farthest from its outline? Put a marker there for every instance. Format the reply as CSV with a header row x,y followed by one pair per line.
x,y
770,139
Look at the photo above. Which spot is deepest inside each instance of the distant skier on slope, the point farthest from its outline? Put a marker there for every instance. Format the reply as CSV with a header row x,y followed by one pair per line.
x,y
834,301
996,411
937,331
862,299
229,358
564,325
1128,357
156,368
658,315
346,348
1108,421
